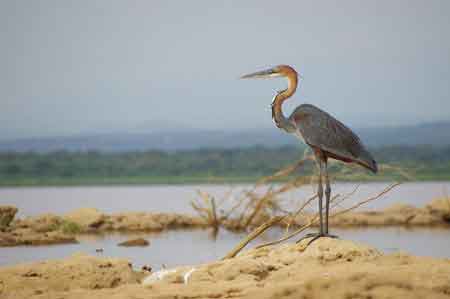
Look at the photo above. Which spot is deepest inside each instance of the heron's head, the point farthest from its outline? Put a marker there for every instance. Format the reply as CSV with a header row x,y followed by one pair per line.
x,y
278,71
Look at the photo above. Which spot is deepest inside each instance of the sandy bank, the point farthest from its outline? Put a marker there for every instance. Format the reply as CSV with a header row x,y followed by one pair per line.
x,y
54,229
328,268
76,272
435,213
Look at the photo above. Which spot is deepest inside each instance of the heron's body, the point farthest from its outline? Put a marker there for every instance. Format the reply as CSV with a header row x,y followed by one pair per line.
x,y
323,133
328,137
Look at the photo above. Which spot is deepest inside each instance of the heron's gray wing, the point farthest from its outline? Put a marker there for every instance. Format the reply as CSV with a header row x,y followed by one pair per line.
x,y
321,130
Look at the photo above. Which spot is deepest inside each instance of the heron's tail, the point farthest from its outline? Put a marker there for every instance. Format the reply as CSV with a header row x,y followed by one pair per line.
x,y
374,166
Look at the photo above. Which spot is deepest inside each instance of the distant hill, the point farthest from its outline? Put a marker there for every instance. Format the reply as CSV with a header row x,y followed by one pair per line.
x,y
437,134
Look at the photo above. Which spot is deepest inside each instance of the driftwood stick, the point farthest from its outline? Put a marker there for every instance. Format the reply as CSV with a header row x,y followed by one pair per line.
x,y
255,233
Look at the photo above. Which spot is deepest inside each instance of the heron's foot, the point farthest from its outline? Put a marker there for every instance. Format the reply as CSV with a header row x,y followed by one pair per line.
x,y
316,236
307,236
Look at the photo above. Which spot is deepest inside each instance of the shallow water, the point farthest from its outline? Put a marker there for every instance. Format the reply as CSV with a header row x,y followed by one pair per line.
x,y
197,246
180,247
170,198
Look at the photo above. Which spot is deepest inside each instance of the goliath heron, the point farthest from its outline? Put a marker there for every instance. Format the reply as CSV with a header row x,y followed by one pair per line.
x,y
325,135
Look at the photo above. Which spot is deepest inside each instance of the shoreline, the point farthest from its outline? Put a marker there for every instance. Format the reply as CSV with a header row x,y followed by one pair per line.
x,y
328,268
182,181
60,229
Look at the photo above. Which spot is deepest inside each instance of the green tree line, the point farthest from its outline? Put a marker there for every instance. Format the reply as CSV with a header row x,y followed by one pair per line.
x,y
423,162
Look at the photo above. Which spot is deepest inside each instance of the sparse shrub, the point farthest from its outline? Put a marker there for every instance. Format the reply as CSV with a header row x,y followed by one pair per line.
x,y
69,227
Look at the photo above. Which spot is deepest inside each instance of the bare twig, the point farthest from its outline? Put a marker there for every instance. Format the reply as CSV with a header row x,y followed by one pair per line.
x,y
250,205
346,196
285,171
398,169
299,210
315,218
210,213
386,190
293,234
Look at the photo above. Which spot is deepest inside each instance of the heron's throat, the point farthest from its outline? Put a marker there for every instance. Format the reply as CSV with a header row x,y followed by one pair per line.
x,y
277,113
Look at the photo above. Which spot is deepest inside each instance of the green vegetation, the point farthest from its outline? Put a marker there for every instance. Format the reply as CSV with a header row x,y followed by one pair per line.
x,y
67,227
206,165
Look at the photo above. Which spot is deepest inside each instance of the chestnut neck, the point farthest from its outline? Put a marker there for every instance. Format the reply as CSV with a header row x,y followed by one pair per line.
x,y
277,113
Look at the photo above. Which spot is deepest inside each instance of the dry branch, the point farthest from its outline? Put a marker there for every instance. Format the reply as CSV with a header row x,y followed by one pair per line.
x,y
251,209
315,218
262,228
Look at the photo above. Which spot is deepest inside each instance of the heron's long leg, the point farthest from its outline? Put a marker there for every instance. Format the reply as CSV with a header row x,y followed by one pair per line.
x,y
327,202
323,170
320,195
327,197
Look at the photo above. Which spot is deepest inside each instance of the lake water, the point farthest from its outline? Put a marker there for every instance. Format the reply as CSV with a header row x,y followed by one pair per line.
x,y
176,198
191,247
197,246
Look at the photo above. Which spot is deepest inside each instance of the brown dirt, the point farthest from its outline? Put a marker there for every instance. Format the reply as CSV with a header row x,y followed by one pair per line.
x,y
30,237
329,268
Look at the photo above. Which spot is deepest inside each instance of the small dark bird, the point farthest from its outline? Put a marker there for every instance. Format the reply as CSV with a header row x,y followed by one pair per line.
x,y
327,137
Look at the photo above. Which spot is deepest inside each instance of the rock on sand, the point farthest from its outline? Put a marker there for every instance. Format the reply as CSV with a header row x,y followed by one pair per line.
x,y
135,242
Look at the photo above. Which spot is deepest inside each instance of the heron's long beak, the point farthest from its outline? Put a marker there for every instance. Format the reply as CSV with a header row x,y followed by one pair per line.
x,y
270,73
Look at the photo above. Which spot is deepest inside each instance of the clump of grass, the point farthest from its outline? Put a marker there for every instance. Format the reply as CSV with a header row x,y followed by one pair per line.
x,y
69,227
65,226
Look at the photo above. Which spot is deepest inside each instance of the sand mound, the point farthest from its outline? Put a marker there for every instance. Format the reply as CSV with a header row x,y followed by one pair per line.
x,y
41,230
329,268
77,272
86,218
42,223
441,207
29,237
145,221
275,263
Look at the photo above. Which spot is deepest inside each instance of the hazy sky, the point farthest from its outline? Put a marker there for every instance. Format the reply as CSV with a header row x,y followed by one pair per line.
x,y
71,67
